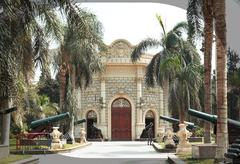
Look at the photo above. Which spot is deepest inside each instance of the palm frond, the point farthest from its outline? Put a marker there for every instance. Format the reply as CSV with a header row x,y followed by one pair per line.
x,y
150,74
181,27
142,47
170,66
190,53
159,18
173,42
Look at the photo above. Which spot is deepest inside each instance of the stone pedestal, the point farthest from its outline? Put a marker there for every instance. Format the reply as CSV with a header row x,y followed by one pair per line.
x,y
82,136
56,142
55,146
184,147
203,151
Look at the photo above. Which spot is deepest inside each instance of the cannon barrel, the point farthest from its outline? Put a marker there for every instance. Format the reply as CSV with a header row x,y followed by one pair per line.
x,y
211,118
46,121
79,121
190,125
9,110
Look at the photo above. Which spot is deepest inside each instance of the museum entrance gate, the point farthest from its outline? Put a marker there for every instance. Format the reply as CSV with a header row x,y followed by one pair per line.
x,y
121,120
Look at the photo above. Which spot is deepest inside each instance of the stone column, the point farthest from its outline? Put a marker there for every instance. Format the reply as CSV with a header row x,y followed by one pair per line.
x,y
103,100
139,108
139,97
103,124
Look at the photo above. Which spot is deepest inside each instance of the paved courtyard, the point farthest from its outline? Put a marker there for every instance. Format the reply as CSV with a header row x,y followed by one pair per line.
x,y
110,152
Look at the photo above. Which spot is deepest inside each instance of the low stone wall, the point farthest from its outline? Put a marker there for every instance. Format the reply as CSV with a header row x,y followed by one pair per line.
x,y
203,151
4,151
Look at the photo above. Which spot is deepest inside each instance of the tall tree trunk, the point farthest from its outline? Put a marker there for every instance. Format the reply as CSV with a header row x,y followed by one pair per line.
x,y
165,99
222,129
5,129
181,115
62,82
208,38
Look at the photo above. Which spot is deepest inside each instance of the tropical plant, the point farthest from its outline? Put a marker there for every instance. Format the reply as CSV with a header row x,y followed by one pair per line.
x,y
25,27
233,70
78,59
50,88
233,75
177,63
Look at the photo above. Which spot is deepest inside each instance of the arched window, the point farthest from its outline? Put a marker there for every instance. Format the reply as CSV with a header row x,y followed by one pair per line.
x,y
149,114
121,103
92,114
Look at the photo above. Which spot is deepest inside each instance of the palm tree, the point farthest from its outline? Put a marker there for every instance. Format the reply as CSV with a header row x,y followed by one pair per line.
x,y
23,41
78,59
208,39
216,10
198,11
171,64
221,68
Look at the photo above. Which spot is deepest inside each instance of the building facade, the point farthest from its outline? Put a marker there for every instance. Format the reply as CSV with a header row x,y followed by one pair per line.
x,y
118,101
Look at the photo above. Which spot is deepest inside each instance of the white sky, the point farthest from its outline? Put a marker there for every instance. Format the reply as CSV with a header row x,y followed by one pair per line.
x,y
133,21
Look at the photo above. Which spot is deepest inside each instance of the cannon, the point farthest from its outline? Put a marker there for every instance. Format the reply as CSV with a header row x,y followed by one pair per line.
x,y
233,125
233,152
190,125
79,121
46,123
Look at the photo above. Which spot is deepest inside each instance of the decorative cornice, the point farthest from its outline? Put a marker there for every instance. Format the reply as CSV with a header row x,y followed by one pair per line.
x,y
119,52
118,49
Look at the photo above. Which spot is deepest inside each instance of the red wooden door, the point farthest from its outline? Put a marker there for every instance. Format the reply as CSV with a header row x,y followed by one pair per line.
x,y
121,123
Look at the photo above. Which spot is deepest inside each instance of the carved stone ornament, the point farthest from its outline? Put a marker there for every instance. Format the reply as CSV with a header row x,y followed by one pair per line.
x,y
169,138
82,136
118,48
56,142
184,146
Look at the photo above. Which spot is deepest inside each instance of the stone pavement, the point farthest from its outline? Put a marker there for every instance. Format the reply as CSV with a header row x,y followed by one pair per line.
x,y
130,152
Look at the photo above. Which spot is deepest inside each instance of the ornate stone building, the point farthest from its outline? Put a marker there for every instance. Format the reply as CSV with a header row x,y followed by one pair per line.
x,y
118,102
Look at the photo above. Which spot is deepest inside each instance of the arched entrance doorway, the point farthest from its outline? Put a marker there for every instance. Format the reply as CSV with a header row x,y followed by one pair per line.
x,y
121,120
149,119
91,122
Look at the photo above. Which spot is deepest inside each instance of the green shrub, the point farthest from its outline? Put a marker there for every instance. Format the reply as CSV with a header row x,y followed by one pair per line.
x,y
199,132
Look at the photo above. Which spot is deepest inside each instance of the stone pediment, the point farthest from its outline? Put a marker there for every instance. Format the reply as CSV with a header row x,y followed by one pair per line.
x,y
118,49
